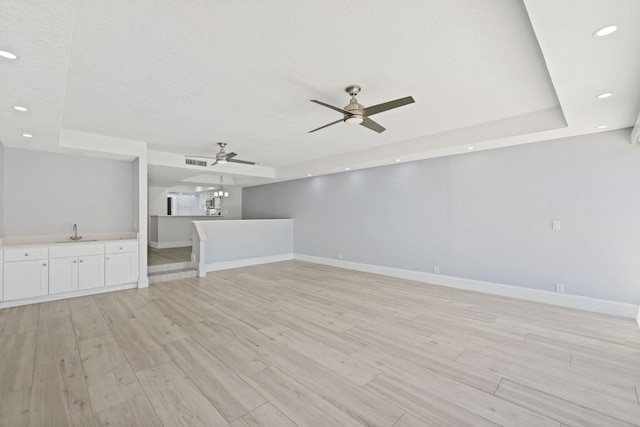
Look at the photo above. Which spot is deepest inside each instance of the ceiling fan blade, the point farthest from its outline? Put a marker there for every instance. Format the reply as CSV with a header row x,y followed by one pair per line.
x,y
241,161
339,110
230,155
375,109
322,127
368,123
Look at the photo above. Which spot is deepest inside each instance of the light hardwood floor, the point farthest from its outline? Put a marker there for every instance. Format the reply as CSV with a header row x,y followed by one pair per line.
x,y
299,344
168,255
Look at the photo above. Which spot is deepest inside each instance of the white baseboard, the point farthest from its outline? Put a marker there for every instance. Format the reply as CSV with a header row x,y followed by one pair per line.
x,y
247,262
166,245
143,282
596,305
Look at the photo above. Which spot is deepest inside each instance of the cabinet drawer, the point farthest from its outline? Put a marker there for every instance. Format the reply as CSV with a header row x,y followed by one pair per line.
x,y
119,247
26,254
74,249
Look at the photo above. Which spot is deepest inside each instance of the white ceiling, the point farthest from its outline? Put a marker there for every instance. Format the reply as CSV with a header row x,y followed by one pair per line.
x,y
182,76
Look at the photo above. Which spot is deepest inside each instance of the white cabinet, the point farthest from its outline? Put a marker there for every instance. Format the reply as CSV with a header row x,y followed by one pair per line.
x,y
76,273
75,267
90,271
63,275
69,268
26,273
121,263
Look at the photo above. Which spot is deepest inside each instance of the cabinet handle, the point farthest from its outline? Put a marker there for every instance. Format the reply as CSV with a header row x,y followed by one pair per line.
x,y
74,261
107,258
80,261
26,254
44,265
120,247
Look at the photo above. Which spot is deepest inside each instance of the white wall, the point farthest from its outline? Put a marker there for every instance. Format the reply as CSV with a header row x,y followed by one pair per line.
x,y
482,215
135,195
46,193
158,200
2,169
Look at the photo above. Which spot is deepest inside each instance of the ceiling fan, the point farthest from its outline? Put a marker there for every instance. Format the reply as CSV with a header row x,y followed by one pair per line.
x,y
356,114
222,157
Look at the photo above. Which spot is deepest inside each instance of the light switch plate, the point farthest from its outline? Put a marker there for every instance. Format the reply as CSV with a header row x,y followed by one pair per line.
x,y
555,224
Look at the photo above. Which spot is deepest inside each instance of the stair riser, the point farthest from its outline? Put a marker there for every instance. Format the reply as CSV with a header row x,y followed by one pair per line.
x,y
168,267
172,276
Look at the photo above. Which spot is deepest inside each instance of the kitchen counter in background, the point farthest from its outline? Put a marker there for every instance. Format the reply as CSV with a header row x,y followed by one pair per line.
x,y
174,231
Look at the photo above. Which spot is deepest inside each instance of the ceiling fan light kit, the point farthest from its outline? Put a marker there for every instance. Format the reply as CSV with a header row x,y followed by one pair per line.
x,y
356,114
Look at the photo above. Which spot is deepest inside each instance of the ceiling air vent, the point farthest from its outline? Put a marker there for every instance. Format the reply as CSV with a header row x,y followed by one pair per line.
x,y
195,162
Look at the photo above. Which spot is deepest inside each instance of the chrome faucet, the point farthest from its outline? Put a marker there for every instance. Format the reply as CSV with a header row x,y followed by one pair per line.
x,y
75,233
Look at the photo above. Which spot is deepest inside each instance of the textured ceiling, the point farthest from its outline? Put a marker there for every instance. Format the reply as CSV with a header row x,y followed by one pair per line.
x,y
182,76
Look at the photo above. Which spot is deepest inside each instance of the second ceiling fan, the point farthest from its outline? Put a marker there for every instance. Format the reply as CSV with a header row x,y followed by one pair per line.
x,y
355,113
223,157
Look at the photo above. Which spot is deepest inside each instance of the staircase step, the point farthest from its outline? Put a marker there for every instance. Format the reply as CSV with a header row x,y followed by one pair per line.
x,y
165,276
168,267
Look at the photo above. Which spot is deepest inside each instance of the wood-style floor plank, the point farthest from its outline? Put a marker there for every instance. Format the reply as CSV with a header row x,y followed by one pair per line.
x,y
87,319
18,320
14,408
350,368
17,353
266,415
138,345
176,399
299,344
56,338
231,396
52,309
135,412
559,409
59,394
296,401
108,375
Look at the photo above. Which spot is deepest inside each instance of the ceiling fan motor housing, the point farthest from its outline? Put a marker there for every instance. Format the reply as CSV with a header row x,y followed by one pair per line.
x,y
356,116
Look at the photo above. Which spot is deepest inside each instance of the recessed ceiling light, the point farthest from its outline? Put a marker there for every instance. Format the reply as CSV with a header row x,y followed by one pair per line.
x,y
397,160
604,95
605,31
308,174
601,127
8,55
347,169
20,108
27,135
470,148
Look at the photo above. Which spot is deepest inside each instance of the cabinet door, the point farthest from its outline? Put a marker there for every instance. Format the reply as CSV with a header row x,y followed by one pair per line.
x,y
121,268
26,279
91,271
63,275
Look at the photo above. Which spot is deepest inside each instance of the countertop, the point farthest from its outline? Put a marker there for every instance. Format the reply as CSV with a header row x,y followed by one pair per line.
x,y
49,240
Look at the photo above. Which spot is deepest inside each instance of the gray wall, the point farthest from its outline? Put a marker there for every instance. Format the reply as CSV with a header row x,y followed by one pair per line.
x,y
482,215
2,169
46,193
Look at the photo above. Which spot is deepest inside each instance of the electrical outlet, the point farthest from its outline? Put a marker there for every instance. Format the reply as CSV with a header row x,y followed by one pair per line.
x,y
560,288
436,269
339,255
